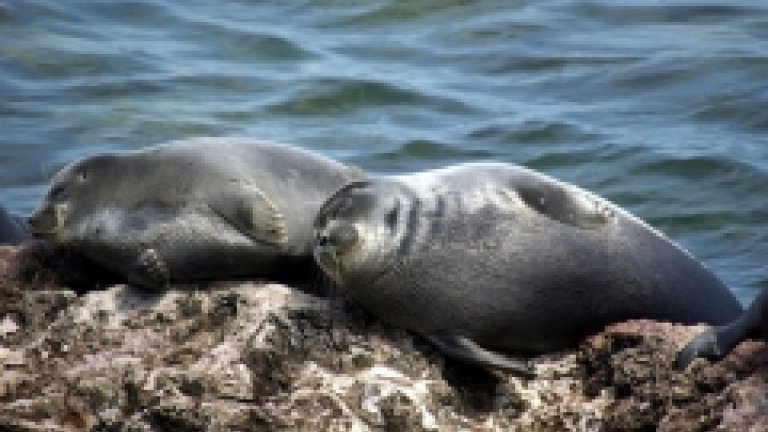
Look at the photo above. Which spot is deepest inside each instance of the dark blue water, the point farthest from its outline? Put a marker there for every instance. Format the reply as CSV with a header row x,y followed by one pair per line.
x,y
661,106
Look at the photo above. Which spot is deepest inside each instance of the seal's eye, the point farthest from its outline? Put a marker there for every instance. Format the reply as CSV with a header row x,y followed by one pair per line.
x,y
391,217
342,237
56,192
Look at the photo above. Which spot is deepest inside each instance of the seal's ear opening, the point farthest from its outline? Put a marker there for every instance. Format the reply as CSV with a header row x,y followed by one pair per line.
x,y
334,203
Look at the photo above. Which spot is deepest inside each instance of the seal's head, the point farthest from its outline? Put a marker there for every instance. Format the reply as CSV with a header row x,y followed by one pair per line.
x,y
359,230
74,191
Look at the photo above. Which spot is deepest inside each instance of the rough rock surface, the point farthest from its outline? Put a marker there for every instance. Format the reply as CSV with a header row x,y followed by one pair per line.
x,y
247,356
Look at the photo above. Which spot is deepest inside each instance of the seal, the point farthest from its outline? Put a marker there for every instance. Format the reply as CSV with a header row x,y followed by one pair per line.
x,y
13,230
198,209
490,259
716,343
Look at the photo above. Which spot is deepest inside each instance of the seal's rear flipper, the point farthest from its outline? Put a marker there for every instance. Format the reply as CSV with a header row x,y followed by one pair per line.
x,y
704,345
465,349
718,342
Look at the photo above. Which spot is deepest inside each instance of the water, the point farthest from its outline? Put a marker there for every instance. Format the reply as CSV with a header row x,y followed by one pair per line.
x,y
661,106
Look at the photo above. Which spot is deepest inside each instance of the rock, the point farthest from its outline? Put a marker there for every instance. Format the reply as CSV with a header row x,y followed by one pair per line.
x,y
250,356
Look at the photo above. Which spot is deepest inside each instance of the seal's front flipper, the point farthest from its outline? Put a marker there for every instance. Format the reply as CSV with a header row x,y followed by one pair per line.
x,y
150,270
561,202
252,213
465,349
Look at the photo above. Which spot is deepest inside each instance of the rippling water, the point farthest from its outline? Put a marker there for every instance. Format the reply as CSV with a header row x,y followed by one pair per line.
x,y
661,106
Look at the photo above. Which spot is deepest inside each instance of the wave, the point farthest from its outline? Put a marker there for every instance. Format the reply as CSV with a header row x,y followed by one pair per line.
x,y
326,96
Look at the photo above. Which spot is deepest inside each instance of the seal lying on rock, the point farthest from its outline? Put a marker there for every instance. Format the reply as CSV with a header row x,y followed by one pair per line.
x,y
718,342
12,229
488,258
205,208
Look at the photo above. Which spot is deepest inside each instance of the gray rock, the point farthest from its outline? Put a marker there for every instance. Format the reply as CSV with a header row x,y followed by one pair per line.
x,y
251,356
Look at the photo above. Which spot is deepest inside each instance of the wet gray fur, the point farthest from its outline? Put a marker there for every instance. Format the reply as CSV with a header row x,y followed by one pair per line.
x,y
205,208
507,258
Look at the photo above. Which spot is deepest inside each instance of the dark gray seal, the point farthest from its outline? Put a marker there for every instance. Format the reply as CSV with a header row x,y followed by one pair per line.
x,y
718,342
13,230
486,259
205,208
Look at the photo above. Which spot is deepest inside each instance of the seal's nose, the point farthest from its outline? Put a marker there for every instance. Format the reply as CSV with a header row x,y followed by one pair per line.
x,y
41,222
337,235
32,222
342,236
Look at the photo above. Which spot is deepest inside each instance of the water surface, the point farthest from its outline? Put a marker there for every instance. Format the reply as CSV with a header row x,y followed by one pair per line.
x,y
661,106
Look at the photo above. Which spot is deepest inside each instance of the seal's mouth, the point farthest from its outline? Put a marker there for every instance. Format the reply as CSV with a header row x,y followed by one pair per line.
x,y
47,223
45,235
331,243
327,260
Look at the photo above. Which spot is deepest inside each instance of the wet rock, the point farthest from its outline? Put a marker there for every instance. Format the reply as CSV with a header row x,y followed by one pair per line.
x,y
247,356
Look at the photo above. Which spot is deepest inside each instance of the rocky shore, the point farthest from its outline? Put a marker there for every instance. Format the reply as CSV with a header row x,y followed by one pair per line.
x,y
78,352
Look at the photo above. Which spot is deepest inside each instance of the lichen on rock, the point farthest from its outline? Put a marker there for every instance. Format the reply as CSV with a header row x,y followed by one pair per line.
x,y
253,356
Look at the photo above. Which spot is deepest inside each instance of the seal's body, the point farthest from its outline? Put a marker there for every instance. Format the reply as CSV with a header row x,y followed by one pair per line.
x,y
12,229
716,343
490,257
206,208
